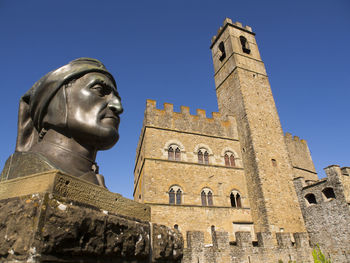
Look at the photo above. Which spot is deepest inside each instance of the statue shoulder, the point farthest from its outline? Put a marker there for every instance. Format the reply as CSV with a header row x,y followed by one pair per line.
x,y
25,163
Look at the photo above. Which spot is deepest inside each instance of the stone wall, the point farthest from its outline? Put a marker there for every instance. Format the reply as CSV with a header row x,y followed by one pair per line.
x,y
327,217
268,248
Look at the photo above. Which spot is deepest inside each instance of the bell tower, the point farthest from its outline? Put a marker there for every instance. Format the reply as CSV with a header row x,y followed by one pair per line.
x,y
243,90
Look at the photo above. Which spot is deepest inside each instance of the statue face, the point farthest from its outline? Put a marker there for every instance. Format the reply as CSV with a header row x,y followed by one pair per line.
x,y
93,108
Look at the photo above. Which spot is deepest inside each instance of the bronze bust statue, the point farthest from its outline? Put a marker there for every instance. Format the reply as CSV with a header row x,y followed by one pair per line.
x,y
64,119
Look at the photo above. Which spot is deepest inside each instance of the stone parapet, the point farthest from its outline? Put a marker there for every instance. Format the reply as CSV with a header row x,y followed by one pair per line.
x,y
183,121
269,248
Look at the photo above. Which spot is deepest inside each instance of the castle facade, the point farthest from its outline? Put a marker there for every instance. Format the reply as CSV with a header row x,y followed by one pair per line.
x,y
236,186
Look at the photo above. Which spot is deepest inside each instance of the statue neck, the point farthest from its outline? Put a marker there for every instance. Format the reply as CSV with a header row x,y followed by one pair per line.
x,y
66,153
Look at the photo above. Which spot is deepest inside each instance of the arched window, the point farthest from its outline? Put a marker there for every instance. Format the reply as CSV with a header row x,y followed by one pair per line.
x,y
207,197
245,45
175,195
178,196
206,157
174,153
204,198
328,193
170,153
171,196
200,156
229,159
210,198
311,199
235,199
203,156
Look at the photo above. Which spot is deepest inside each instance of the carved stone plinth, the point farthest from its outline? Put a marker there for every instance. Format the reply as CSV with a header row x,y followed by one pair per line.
x,y
57,225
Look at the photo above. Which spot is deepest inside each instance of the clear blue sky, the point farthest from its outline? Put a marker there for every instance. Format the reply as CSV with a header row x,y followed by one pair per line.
x,y
160,50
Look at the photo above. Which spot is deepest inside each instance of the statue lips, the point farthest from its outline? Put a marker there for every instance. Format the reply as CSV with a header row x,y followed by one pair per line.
x,y
111,118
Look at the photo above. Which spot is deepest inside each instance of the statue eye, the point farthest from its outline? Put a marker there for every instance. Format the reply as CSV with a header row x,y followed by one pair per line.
x,y
101,90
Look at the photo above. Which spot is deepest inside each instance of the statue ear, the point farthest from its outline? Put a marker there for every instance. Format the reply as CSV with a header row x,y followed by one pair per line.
x,y
27,135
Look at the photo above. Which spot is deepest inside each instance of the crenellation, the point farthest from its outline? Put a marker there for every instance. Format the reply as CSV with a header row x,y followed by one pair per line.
x,y
244,249
284,240
300,157
227,21
201,113
244,239
183,120
301,240
239,24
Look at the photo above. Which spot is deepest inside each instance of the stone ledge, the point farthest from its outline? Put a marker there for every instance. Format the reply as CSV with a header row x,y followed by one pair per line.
x,y
75,189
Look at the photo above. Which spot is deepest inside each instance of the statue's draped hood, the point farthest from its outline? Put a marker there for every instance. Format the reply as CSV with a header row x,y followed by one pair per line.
x,y
33,105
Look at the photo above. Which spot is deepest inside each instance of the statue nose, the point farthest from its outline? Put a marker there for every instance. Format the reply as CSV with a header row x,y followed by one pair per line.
x,y
115,106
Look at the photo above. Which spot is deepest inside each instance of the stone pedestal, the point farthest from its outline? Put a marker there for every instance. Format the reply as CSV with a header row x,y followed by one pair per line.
x,y
53,217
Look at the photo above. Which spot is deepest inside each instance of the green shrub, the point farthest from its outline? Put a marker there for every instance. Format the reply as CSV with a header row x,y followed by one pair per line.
x,y
318,256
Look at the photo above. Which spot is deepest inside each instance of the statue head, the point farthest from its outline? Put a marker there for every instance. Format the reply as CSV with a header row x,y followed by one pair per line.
x,y
78,100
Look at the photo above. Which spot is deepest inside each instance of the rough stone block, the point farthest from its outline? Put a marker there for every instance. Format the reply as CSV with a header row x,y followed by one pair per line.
x,y
243,239
220,240
47,228
301,240
195,240
284,240
265,239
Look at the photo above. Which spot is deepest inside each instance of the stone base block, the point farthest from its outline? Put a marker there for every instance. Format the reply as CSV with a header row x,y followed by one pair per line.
x,y
44,227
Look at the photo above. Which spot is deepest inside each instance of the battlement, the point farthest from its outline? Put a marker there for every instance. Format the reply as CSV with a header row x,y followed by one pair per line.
x,y
228,22
268,248
166,118
300,156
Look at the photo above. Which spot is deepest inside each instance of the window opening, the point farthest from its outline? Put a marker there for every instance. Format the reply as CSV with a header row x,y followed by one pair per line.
x,y
274,162
178,196
171,196
244,43
233,200
238,200
222,52
204,198
206,157
328,193
229,159
170,153
311,199
200,156
210,198
177,154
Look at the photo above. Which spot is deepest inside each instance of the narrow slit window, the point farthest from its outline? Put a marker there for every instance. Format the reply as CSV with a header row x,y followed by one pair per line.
x,y
233,200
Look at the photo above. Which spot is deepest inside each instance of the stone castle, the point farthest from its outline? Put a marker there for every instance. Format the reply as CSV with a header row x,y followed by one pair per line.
x,y
236,186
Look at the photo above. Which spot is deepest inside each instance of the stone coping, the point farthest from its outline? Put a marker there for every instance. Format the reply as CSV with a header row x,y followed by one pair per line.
x,y
75,189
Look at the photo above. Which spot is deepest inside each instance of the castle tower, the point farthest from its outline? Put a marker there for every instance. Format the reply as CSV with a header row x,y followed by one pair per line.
x,y
243,90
